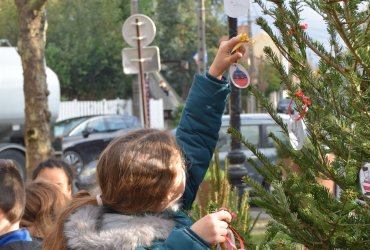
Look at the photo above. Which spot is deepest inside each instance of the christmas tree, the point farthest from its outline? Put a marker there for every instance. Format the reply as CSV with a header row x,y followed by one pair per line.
x,y
332,100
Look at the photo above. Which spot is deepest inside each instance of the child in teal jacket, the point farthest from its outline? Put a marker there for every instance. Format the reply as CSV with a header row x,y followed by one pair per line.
x,y
148,179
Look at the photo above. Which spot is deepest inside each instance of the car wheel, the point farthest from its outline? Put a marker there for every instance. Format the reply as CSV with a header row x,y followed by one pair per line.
x,y
75,160
18,158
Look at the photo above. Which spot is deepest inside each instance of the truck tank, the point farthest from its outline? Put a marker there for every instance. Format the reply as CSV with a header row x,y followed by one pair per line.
x,y
12,104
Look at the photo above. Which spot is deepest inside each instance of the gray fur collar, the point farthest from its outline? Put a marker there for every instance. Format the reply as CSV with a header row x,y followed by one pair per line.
x,y
84,231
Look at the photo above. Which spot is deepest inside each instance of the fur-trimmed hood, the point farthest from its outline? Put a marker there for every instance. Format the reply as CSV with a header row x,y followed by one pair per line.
x,y
91,227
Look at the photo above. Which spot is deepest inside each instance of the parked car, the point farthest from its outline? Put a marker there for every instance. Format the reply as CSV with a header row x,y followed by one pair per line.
x,y
255,128
84,138
283,105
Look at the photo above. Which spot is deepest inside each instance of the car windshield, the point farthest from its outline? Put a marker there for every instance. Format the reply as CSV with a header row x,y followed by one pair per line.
x,y
123,122
63,127
251,132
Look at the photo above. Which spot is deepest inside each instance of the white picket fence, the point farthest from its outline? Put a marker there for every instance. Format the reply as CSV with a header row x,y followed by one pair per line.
x,y
75,108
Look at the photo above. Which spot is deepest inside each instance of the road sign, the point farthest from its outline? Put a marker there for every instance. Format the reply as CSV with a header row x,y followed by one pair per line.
x,y
147,30
149,58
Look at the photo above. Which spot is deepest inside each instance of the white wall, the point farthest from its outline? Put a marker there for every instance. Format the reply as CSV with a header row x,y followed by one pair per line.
x,y
75,108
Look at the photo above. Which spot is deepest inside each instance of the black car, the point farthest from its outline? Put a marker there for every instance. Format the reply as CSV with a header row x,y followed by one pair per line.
x,y
283,105
84,138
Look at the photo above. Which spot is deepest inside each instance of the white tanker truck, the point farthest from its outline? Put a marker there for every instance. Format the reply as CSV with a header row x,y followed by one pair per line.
x,y
12,104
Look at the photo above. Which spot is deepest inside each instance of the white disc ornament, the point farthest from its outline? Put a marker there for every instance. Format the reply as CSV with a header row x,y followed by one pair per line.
x,y
296,132
239,75
365,179
236,8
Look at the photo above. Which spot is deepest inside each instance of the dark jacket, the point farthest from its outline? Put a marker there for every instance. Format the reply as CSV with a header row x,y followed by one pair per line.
x,y
18,240
92,227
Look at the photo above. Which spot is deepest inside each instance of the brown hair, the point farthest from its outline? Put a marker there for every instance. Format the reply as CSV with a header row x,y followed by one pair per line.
x,y
12,191
44,202
135,173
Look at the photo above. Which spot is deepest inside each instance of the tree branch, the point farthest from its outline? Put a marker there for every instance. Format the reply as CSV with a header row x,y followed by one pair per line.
x,y
342,34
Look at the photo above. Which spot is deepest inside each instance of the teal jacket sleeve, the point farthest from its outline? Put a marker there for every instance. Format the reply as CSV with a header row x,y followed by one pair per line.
x,y
197,133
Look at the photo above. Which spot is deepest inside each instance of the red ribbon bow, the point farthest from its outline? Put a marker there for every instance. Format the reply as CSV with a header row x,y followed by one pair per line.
x,y
304,26
306,101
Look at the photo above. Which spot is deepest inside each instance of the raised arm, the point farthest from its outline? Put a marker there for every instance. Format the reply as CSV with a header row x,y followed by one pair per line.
x,y
197,133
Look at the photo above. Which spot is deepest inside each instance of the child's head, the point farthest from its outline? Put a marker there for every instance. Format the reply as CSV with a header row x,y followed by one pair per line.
x,y
12,194
44,202
142,171
57,172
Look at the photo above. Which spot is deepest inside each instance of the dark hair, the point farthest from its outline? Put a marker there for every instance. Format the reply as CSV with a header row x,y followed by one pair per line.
x,y
54,163
12,191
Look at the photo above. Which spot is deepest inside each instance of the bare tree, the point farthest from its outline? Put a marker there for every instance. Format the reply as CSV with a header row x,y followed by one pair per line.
x,y
31,46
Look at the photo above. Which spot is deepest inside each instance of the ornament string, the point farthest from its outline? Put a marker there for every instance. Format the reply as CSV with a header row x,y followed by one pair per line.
x,y
239,238
306,101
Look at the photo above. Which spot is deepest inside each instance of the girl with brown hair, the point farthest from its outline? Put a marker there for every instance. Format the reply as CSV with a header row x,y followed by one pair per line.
x,y
148,178
44,202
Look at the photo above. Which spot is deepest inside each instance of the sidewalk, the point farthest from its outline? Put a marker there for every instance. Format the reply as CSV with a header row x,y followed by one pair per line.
x,y
261,224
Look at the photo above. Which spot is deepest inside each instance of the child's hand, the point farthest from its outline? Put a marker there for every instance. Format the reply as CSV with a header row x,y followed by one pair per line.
x,y
224,58
213,227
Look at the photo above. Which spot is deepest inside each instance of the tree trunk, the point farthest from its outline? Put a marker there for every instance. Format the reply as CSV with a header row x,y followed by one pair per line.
x,y
31,46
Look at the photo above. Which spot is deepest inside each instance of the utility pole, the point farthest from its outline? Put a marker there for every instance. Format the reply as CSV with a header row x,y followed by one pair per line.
x,y
201,37
136,95
236,156
251,106
134,7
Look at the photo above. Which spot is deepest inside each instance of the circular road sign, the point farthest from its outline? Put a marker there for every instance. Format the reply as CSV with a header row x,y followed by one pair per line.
x,y
146,27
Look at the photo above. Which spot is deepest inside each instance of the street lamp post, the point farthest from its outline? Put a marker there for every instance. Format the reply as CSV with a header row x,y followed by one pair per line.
x,y
236,157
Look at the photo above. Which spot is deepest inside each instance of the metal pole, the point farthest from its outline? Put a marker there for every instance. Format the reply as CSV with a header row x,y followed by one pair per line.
x,y
134,7
201,37
236,156
252,100
136,95
142,79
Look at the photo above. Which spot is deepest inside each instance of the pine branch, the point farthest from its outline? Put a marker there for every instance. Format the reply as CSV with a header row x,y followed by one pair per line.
x,y
270,168
269,108
339,27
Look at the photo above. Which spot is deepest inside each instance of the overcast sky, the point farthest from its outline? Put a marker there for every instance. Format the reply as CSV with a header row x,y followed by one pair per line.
x,y
316,26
